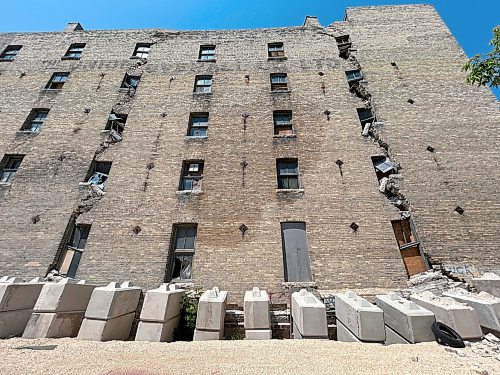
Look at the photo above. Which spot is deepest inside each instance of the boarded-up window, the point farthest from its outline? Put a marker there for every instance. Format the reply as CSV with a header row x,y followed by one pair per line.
x,y
409,247
74,249
295,252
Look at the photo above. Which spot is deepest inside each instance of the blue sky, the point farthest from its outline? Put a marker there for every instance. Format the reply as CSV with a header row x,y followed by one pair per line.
x,y
471,22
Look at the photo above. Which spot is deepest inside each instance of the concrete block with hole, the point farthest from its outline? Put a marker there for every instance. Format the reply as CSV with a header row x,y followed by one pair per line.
x,y
211,315
110,312
59,309
489,282
362,318
17,300
406,318
160,314
309,316
449,311
257,315
486,306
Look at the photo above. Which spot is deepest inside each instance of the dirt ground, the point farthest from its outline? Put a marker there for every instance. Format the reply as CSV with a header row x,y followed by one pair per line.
x,y
71,356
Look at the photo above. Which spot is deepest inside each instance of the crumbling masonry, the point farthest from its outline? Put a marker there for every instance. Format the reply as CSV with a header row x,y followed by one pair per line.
x,y
340,157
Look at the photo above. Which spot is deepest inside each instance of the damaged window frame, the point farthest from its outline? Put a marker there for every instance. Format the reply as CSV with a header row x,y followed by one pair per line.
x,y
9,166
383,166
115,126
10,52
279,82
192,176
207,53
276,50
130,82
198,125
203,84
74,51
57,81
73,250
408,240
182,252
353,76
98,174
344,45
141,51
366,116
283,124
35,121
287,171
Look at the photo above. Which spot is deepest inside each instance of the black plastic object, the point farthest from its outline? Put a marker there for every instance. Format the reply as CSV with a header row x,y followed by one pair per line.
x,y
447,336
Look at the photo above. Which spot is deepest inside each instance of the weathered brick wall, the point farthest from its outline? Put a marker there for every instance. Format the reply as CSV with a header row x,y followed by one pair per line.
x,y
365,260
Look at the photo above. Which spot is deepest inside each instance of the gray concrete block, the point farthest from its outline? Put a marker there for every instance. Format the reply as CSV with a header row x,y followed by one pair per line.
x,y
211,310
112,301
157,331
53,325
362,318
258,334
162,304
489,282
13,323
447,310
18,295
407,318
105,330
486,306
200,335
309,315
256,310
64,296
343,333
391,337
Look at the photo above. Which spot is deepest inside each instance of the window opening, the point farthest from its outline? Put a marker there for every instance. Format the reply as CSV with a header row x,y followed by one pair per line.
x,y
203,85
9,166
288,173
198,125
275,50
192,175
207,53
183,247
279,82
283,123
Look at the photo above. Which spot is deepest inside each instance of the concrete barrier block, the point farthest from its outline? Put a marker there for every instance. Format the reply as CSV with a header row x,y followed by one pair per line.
x,y
258,334
256,309
489,282
391,337
211,314
344,334
112,301
447,310
64,296
53,325
16,295
162,304
363,319
486,306
13,323
207,335
309,315
157,331
407,318
105,330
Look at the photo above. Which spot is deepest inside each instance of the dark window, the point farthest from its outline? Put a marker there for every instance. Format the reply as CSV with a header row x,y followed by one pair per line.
x,y
295,252
203,85
275,50
365,116
409,247
198,125
183,251
57,81
142,50
353,76
130,82
192,175
283,123
116,122
383,166
344,46
279,82
98,174
10,53
288,173
207,53
9,166
73,250
74,51
35,120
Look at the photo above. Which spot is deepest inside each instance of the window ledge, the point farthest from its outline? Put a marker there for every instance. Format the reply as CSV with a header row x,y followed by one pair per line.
x,y
28,132
277,58
286,136
195,137
5,183
299,284
70,58
289,191
48,91
138,58
202,94
213,60
125,90
183,284
281,91
9,60
188,192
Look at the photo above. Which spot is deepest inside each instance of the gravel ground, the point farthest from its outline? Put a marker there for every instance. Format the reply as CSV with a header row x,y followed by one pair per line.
x,y
234,357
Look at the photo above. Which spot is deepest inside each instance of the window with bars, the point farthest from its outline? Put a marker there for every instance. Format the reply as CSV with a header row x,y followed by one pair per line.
x,y
74,51
35,120
9,166
130,82
198,125
142,50
70,260
10,53
283,123
192,175
57,81
275,50
288,173
203,85
279,82
183,245
207,53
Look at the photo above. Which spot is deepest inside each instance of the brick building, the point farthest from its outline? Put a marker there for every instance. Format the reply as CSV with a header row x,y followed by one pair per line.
x,y
340,156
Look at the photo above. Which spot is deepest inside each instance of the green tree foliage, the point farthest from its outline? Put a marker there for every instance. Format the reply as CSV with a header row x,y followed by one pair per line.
x,y
485,70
